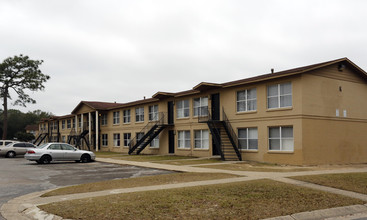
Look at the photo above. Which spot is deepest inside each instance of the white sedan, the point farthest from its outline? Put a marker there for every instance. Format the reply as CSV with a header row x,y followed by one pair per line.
x,y
58,152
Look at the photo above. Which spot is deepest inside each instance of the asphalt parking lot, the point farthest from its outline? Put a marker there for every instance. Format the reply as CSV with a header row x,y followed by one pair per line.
x,y
19,176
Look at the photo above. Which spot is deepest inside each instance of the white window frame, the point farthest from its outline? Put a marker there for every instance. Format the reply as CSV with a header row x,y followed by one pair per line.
x,y
155,142
127,116
200,139
104,119
279,96
183,138
104,140
153,113
116,118
247,100
116,140
127,139
139,114
201,109
281,139
247,139
183,108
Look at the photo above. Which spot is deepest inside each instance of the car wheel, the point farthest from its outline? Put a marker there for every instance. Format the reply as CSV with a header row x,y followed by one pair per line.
x,y
45,159
85,158
11,154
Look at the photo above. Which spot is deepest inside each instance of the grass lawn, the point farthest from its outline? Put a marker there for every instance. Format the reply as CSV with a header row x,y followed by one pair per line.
x,y
245,200
140,158
192,162
254,166
356,182
138,181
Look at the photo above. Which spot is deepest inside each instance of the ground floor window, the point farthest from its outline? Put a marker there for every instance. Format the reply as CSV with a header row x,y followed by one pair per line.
x,y
104,139
127,139
184,139
139,136
63,139
247,138
155,142
202,139
281,138
116,140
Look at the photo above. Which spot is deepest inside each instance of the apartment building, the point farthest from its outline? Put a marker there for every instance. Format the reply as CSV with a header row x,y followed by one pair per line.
x,y
315,114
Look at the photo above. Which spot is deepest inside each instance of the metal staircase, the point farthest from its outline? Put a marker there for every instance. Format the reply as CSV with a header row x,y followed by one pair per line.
x,y
150,131
40,138
78,137
224,136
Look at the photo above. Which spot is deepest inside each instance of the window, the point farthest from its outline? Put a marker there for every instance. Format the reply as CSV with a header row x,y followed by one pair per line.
x,y
201,106
116,118
183,109
184,139
79,122
127,139
247,138
139,136
68,124
281,138
73,122
104,139
116,140
63,124
126,117
202,139
246,100
153,113
155,142
280,95
104,119
139,114
63,139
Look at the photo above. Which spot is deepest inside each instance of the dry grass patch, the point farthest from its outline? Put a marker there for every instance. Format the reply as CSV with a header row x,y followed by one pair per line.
x,y
255,166
138,181
356,182
244,200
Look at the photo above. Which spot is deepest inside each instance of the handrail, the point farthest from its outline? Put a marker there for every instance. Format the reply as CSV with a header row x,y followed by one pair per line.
x,y
231,133
162,119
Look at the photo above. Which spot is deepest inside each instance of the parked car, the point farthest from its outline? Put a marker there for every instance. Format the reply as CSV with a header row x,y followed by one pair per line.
x,y
16,148
46,153
3,143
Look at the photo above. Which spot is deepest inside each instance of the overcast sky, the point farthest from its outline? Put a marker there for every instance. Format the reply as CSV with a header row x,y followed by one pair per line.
x,y
115,50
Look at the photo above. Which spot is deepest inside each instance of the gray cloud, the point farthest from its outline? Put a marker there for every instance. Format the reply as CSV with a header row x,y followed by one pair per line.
x,y
124,50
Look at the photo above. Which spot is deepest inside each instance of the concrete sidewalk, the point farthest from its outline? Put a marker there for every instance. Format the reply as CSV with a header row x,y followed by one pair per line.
x,y
25,207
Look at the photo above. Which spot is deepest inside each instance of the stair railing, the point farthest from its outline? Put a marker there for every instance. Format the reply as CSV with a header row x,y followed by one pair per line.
x,y
162,120
231,133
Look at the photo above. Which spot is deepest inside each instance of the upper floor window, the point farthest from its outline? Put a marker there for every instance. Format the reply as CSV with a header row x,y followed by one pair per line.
x,y
116,118
247,138
73,122
139,114
69,123
183,109
63,124
280,95
246,100
104,119
201,106
281,138
79,122
127,116
153,113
